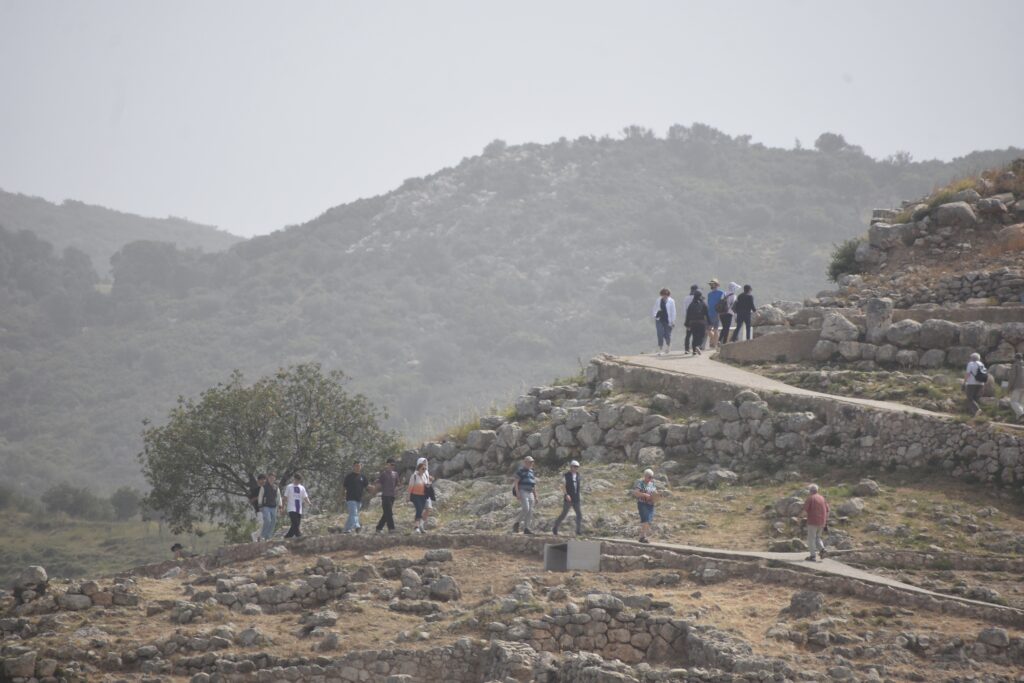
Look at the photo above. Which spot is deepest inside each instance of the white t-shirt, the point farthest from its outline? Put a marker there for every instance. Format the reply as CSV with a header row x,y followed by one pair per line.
x,y
972,368
296,496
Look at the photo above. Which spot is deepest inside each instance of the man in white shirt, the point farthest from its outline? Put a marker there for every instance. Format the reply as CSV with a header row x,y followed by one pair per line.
x,y
973,384
297,499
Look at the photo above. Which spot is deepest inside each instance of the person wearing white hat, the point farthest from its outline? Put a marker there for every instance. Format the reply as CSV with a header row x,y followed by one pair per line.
x,y
525,490
571,489
431,495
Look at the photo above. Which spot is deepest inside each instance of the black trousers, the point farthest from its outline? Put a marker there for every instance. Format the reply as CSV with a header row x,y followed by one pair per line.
x,y
697,330
726,319
575,506
741,320
388,504
293,530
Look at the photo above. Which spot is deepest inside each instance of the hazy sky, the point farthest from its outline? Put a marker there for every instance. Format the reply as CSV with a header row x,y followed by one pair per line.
x,y
254,115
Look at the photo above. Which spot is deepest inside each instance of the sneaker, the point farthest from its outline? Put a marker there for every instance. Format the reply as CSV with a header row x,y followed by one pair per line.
x,y
643,539
358,529
554,532
417,530
811,558
696,352
515,528
527,531
376,531
821,553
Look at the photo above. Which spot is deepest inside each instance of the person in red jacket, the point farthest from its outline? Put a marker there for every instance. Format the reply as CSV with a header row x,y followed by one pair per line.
x,y
816,511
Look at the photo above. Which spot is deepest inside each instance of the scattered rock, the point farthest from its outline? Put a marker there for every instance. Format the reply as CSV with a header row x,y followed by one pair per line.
x,y
806,603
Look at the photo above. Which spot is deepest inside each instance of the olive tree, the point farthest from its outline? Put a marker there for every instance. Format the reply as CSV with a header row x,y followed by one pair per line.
x,y
201,463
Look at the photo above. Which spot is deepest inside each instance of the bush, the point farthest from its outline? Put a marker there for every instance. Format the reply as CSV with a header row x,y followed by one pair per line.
x,y
843,261
126,502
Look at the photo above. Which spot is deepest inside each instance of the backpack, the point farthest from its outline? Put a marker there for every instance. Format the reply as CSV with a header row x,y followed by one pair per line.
x,y
722,307
981,374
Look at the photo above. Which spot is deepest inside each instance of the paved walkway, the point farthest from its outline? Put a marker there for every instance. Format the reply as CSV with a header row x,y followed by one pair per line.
x,y
708,368
828,566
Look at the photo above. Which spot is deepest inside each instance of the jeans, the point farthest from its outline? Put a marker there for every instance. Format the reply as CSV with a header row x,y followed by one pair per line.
x,y
388,516
269,522
566,506
526,504
742,319
353,515
973,392
664,333
726,323
293,530
814,541
419,502
646,511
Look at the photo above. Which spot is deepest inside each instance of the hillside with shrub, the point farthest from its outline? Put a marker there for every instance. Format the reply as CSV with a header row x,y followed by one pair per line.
x,y
101,232
450,292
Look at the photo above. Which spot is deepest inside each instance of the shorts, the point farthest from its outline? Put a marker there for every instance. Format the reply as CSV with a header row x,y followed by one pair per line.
x,y
646,511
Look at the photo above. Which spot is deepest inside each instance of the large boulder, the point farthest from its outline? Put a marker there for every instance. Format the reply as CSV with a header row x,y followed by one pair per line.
x,y
933,358
824,350
851,508
20,666
938,334
445,589
835,327
959,214
886,354
975,334
904,333
806,603
30,577
769,315
878,318
480,439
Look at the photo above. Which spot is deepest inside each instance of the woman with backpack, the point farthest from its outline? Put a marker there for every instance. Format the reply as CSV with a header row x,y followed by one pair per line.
x,y
419,482
697,321
724,308
975,379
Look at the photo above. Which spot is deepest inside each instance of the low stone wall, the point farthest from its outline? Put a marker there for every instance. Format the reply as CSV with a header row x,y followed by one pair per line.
x,y
963,314
784,347
933,343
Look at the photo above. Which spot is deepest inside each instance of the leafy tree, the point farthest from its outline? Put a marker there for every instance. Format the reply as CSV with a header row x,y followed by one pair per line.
x,y
203,461
126,502
830,143
76,502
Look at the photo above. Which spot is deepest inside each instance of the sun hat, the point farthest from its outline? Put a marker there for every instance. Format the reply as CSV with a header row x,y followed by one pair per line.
x,y
574,463
714,281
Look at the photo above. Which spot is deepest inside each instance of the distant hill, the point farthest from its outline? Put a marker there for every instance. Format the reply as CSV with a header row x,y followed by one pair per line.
x,y
101,232
453,291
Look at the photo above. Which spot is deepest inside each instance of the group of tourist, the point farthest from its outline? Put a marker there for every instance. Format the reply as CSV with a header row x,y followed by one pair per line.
x,y
707,319
267,500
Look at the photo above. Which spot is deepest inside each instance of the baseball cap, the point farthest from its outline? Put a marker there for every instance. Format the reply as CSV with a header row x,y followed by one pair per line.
x,y
574,463
528,458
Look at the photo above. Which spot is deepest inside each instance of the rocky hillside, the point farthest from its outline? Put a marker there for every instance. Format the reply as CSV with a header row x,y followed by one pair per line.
x,y
99,232
925,587
449,293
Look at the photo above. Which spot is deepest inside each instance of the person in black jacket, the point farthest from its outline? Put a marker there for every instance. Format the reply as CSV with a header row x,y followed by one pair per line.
x,y
572,499
697,321
743,309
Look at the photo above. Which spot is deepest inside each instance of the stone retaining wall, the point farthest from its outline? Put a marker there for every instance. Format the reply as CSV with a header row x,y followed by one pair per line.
x,y
791,427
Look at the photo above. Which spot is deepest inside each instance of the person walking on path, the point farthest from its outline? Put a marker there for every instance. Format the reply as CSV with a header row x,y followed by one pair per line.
x,y
297,500
254,500
355,484
1015,386
525,489
975,378
696,321
572,499
387,482
744,309
269,501
645,492
816,510
724,310
664,320
688,337
714,296
418,483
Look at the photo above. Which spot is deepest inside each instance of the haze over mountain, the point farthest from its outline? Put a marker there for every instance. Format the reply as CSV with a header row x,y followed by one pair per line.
x,y
101,232
454,290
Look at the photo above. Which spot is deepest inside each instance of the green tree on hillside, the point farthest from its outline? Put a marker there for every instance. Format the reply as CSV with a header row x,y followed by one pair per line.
x,y
127,503
202,462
